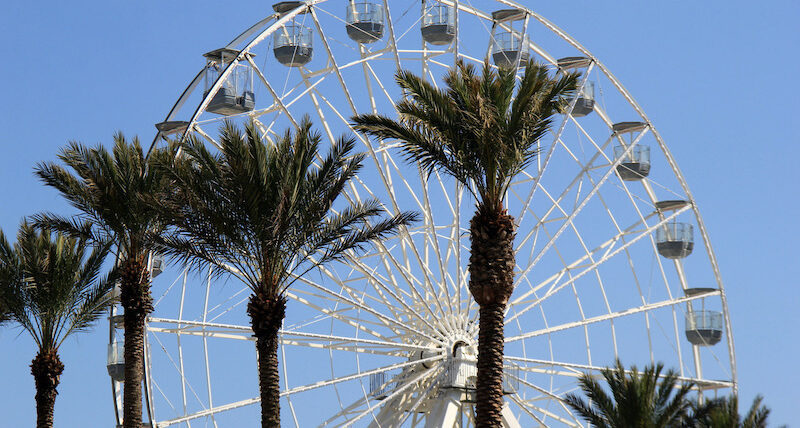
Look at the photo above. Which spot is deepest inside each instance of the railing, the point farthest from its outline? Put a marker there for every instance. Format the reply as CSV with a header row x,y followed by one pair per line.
x,y
463,373
460,373
116,353
510,379
364,12
507,41
293,35
380,384
639,154
439,15
704,320
588,91
237,82
675,232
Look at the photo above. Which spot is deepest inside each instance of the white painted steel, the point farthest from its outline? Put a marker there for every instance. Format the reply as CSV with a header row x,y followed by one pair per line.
x,y
590,285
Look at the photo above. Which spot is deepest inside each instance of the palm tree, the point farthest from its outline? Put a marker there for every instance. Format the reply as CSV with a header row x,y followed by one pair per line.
x,y
637,399
724,413
481,132
52,288
262,213
108,188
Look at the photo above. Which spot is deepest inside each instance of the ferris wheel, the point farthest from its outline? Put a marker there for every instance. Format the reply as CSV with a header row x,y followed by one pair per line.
x,y
613,259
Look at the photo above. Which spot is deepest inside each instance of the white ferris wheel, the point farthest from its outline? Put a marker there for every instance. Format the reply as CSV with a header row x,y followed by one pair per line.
x,y
613,259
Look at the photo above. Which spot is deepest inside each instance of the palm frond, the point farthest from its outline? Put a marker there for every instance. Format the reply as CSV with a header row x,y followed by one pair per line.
x,y
266,209
50,284
645,398
481,129
107,188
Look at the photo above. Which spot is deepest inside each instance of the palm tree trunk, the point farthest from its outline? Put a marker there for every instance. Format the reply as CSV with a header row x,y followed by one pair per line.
x,y
489,385
137,303
491,282
266,314
46,369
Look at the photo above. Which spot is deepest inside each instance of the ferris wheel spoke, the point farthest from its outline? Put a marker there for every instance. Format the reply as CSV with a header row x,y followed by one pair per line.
x,y
210,412
524,407
400,389
184,382
178,280
379,284
355,408
327,341
610,316
396,292
332,60
380,83
207,137
384,174
643,220
347,411
577,180
577,209
610,251
406,237
355,321
590,258
424,393
359,375
366,299
530,408
431,235
575,370
388,185
278,99
367,69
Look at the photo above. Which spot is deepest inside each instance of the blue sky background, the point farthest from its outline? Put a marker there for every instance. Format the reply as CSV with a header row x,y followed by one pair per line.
x,y
717,80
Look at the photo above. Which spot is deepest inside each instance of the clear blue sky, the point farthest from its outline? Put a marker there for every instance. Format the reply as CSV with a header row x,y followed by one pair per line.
x,y
715,78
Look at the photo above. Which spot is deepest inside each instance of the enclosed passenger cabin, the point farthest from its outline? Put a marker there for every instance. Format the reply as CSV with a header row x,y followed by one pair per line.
x,y
156,265
635,164
510,48
365,21
704,328
116,361
438,23
675,240
292,43
235,95
585,102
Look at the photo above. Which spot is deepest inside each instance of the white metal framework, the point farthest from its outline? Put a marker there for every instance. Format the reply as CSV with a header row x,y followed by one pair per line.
x,y
387,338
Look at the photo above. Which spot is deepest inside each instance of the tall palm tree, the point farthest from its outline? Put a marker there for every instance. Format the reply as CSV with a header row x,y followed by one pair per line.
x,y
724,413
263,213
108,188
642,400
483,130
52,288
